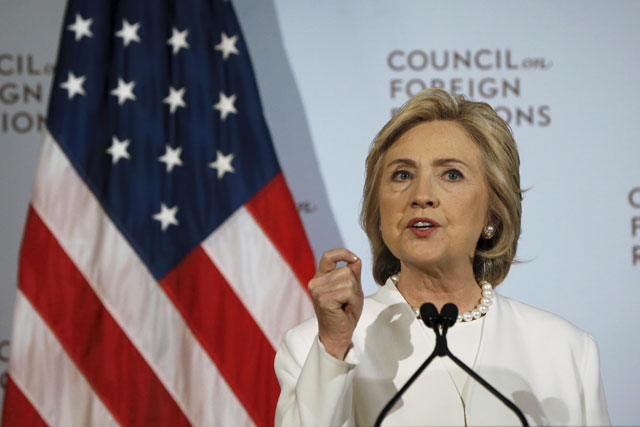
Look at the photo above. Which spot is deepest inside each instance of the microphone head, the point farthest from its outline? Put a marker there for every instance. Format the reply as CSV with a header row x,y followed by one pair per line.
x,y
429,314
449,314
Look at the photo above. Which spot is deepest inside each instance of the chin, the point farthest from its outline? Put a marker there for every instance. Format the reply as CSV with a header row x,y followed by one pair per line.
x,y
421,261
422,250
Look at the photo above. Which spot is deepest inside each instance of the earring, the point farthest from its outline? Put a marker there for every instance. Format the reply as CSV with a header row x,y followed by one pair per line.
x,y
488,231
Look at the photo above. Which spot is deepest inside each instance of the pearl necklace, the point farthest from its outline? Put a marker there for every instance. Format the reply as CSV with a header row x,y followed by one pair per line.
x,y
477,312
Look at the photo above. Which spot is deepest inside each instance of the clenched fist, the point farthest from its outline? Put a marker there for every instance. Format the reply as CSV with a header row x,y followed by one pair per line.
x,y
337,299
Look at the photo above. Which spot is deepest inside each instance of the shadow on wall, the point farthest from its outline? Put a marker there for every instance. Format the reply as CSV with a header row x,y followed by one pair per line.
x,y
287,122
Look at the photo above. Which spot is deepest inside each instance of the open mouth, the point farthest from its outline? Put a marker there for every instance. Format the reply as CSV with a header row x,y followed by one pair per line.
x,y
422,225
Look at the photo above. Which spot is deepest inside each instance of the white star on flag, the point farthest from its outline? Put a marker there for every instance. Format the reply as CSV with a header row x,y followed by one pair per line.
x,y
166,216
74,85
118,150
225,105
81,27
124,91
222,164
174,99
129,32
178,40
227,46
171,157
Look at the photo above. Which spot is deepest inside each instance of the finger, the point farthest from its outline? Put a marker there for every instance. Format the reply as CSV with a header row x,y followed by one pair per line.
x,y
332,257
321,287
340,278
351,303
335,298
351,272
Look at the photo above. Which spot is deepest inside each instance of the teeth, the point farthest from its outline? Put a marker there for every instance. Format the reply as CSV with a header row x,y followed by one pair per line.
x,y
421,224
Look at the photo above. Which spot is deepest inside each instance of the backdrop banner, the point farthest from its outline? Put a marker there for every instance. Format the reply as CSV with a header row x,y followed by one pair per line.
x,y
330,74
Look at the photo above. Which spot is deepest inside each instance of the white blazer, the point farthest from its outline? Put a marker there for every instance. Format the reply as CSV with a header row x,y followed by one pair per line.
x,y
545,365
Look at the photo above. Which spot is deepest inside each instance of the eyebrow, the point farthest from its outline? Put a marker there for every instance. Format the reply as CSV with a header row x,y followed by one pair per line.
x,y
408,162
441,162
436,162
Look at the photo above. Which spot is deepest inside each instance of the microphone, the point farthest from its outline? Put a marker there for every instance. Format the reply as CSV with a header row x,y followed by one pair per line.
x,y
440,323
448,315
429,314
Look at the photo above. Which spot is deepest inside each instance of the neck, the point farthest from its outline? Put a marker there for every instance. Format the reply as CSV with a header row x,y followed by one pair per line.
x,y
418,287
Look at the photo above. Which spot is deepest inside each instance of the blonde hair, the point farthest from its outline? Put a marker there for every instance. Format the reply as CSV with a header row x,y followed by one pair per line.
x,y
501,163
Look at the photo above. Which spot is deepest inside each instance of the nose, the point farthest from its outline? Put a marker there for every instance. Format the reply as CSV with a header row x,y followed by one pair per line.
x,y
424,195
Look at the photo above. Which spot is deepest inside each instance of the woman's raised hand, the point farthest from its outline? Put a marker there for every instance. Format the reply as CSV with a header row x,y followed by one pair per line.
x,y
337,299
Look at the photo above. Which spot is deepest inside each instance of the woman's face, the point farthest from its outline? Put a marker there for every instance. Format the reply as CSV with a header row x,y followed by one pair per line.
x,y
433,197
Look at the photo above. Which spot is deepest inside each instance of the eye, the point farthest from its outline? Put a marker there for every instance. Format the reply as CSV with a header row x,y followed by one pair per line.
x,y
453,175
401,175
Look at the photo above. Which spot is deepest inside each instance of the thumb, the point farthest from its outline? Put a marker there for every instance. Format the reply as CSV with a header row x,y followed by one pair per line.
x,y
356,268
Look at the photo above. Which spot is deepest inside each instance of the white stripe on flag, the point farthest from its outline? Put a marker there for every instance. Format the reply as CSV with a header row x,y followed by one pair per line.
x,y
130,294
260,277
47,377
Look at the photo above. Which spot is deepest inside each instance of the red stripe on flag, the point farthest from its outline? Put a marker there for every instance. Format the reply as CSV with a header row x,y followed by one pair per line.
x,y
274,210
94,341
18,411
227,332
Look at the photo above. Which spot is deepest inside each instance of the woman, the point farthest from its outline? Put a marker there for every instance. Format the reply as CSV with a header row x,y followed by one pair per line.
x,y
442,209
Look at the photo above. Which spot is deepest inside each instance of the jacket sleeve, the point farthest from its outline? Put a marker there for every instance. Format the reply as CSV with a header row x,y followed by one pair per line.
x,y
595,405
315,388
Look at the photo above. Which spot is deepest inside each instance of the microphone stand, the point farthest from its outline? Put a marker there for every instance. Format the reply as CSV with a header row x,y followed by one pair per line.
x,y
441,349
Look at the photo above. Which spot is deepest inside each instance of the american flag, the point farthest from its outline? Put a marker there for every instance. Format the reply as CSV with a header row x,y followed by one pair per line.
x,y
163,257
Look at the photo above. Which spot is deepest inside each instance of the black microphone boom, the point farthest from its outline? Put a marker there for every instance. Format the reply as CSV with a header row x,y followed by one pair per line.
x,y
446,319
